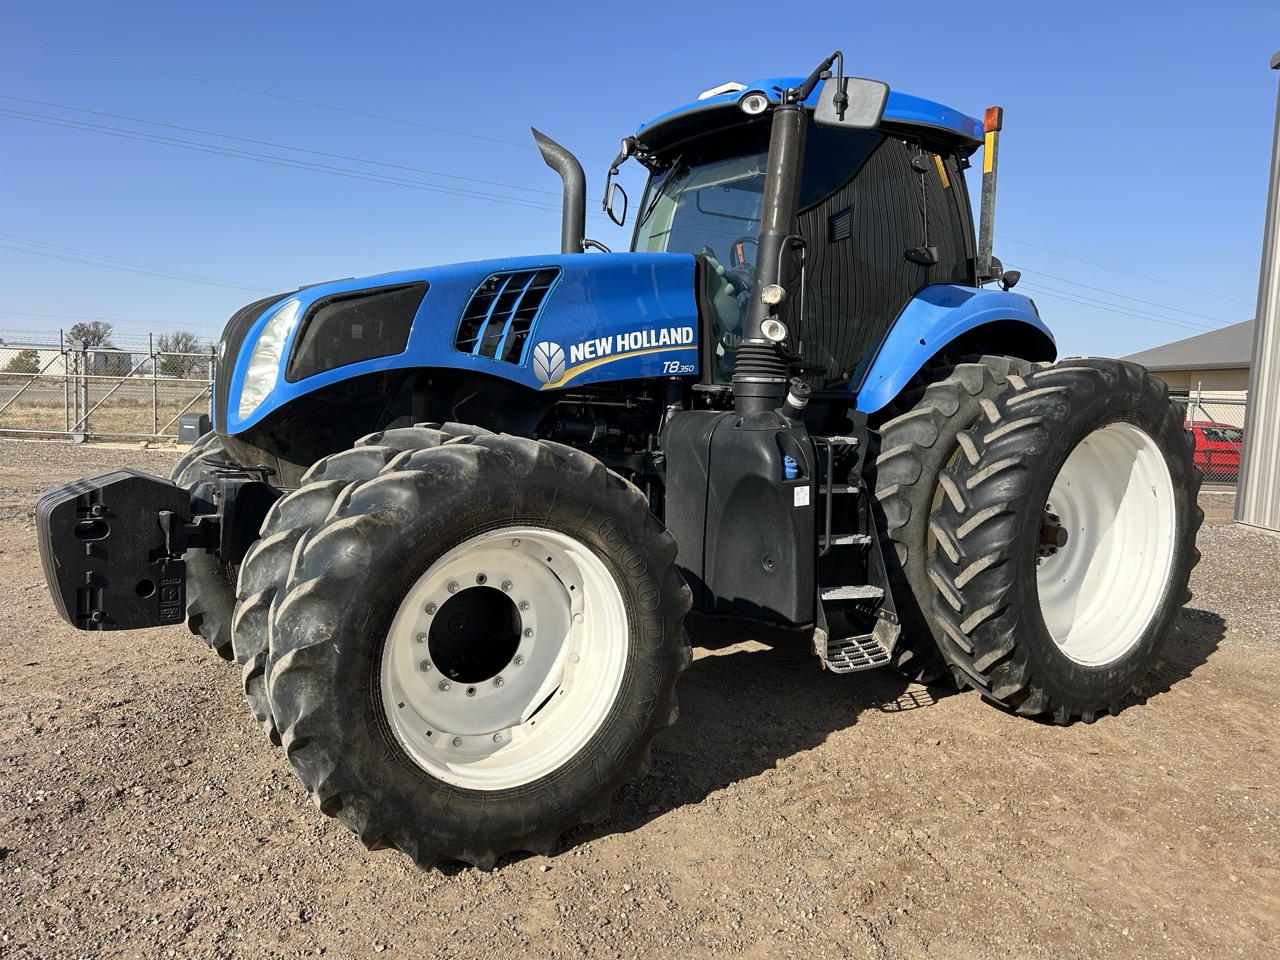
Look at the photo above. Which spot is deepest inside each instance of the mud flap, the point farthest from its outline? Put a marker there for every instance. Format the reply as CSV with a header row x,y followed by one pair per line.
x,y
111,545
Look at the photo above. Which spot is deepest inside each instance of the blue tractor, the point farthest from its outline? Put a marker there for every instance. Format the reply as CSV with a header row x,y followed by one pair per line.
x,y
451,520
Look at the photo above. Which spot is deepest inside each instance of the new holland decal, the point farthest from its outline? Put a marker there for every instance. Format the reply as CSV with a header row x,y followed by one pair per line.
x,y
551,366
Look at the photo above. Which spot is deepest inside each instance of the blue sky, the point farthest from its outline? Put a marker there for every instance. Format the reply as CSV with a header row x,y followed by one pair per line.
x,y
1133,170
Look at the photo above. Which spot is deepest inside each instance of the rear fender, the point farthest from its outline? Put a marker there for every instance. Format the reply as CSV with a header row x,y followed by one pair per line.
x,y
972,320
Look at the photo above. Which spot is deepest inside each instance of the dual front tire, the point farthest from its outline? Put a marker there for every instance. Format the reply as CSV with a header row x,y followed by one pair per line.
x,y
470,640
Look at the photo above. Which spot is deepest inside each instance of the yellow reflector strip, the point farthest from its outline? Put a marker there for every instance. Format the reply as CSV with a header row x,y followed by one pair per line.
x,y
989,151
942,172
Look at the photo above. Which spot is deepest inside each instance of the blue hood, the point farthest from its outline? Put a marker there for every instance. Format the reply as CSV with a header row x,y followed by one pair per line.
x,y
592,317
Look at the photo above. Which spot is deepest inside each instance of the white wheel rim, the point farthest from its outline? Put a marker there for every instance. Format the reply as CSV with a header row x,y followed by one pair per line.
x,y
1114,497
558,672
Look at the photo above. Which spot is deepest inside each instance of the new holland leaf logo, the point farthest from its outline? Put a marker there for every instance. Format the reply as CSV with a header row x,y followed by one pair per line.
x,y
548,361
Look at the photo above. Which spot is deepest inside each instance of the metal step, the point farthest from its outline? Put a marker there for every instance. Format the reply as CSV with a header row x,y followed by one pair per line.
x,y
852,592
844,540
851,654
839,488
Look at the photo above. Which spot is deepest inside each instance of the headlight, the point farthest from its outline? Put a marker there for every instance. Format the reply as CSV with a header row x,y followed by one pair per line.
x,y
264,362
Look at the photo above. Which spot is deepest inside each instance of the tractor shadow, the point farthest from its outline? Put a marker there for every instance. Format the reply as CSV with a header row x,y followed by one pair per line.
x,y
742,710
1199,633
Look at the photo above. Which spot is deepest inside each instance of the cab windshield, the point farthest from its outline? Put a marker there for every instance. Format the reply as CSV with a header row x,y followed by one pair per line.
x,y
711,195
701,205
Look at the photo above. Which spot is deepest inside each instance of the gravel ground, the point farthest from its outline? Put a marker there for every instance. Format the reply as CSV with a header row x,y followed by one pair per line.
x,y
789,813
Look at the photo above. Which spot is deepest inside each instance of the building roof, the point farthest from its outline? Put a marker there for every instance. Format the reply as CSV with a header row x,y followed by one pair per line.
x,y
1230,348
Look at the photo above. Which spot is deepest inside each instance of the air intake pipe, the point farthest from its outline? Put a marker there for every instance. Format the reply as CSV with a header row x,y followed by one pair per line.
x,y
573,222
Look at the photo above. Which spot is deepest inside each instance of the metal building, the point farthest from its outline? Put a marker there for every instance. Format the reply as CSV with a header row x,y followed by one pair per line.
x,y
1258,496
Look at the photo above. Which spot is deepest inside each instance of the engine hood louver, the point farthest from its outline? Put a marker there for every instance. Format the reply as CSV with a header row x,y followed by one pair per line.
x,y
502,311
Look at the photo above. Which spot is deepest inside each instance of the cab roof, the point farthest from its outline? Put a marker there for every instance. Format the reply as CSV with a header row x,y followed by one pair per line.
x,y
901,108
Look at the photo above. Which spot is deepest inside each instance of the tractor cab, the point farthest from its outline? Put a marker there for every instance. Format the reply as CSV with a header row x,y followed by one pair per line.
x,y
882,214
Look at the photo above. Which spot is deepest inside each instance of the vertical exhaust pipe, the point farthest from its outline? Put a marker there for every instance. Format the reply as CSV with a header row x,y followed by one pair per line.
x,y
573,222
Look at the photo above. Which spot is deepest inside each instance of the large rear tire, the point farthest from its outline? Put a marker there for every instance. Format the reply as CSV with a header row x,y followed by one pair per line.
x,y
475,648
915,445
1066,538
211,584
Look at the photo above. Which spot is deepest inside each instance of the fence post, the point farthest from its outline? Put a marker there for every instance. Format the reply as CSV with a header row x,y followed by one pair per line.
x,y
66,382
80,389
213,368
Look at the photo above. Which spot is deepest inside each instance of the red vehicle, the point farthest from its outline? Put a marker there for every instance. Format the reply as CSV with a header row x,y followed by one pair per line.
x,y
1218,447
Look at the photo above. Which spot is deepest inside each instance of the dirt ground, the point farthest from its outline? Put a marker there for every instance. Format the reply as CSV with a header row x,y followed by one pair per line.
x,y
790,813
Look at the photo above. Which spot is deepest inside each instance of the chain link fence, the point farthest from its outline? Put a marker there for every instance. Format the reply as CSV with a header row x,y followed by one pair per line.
x,y
68,389
1217,421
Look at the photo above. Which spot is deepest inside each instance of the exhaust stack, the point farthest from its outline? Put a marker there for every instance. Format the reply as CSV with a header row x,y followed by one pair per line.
x,y
573,223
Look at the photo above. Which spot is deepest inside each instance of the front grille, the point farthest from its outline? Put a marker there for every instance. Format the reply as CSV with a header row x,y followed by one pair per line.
x,y
500,314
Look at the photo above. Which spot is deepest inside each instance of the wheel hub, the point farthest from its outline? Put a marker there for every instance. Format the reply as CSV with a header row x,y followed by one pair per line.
x,y
475,634
514,678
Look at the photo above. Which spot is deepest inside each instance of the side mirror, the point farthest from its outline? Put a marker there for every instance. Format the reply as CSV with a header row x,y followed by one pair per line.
x,y
851,102
611,201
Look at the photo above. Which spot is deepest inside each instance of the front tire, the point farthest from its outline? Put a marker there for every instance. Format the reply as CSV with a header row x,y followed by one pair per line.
x,y
1066,538
475,648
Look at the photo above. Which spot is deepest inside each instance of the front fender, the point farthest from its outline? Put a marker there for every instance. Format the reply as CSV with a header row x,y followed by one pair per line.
x,y
939,315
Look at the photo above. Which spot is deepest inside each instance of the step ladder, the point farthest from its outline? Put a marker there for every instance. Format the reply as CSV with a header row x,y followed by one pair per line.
x,y
850,654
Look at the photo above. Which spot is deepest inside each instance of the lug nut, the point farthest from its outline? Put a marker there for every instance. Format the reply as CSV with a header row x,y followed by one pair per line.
x,y
506,585
422,638
528,631
524,604
453,586
498,681
481,579
518,661
515,543
96,510
430,608
457,741
425,665
445,685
